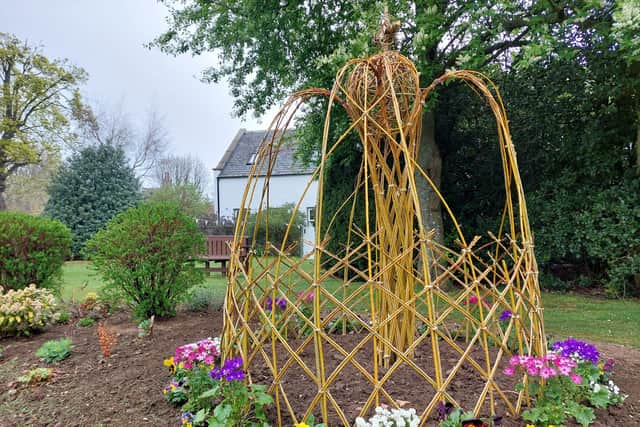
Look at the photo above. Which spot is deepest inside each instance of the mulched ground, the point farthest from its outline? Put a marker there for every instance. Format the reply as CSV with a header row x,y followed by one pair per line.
x,y
126,389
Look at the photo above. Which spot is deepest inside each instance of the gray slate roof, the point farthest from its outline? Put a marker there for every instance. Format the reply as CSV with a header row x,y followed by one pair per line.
x,y
235,161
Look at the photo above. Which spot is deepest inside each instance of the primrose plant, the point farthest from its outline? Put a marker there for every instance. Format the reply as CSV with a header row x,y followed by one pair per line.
x,y
210,394
566,383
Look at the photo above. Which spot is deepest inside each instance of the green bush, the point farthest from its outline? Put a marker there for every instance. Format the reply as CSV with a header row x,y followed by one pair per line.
x,y
203,298
275,221
55,350
145,256
32,250
26,310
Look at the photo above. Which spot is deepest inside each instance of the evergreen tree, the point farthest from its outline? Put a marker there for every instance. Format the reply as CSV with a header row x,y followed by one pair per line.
x,y
90,188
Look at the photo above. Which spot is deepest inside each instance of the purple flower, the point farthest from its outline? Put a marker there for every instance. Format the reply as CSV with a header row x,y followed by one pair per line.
x,y
505,315
281,303
230,371
268,304
608,365
572,348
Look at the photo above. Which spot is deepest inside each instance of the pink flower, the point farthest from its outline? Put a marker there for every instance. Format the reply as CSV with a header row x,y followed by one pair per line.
x,y
473,299
546,372
577,379
209,360
188,365
532,370
509,370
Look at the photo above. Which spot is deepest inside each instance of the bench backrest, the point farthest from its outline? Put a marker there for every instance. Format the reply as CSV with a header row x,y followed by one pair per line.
x,y
219,245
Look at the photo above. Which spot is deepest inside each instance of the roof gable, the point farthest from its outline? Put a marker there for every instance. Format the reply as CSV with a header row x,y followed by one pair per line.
x,y
236,161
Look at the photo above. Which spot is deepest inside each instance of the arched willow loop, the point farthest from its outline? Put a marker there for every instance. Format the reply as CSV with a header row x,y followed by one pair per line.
x,y
394,305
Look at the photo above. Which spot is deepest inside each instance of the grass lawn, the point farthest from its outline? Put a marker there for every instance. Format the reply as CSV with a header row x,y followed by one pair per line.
x,y
583,317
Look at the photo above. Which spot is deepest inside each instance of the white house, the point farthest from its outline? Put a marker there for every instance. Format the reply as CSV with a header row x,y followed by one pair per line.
x,y
289,178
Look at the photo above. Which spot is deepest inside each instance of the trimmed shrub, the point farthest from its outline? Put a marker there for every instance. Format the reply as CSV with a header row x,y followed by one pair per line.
x,y
26,310
145,256
32,250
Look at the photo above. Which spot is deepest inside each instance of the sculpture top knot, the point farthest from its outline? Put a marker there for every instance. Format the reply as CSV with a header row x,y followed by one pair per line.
x,y
385,37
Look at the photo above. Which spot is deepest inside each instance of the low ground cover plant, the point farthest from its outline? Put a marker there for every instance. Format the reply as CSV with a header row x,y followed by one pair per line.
x,y
86,322
32,250
25,311
210,394
55,350
145,256
36,375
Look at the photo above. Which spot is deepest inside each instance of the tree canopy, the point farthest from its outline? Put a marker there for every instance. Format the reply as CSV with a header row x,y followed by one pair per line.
x,y
570,70
37,100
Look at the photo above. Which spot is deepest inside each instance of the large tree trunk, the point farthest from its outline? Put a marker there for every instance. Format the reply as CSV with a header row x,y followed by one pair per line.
x,y
430,160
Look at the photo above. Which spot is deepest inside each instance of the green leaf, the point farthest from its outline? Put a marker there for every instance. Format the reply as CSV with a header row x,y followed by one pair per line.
x,y
212,393
200,416
582,414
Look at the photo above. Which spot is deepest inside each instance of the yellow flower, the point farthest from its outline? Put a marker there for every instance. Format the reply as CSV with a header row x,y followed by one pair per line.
x,y
302,424
168,362
530,425
181,365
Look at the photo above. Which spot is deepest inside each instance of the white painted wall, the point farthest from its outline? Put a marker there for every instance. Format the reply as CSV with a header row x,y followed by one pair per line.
x,y
282,190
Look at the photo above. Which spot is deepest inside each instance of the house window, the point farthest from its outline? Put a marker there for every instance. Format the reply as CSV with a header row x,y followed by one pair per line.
x,y
311,215
252,159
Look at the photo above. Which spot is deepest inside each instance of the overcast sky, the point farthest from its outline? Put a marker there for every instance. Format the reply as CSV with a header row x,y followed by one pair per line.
x,y
106,38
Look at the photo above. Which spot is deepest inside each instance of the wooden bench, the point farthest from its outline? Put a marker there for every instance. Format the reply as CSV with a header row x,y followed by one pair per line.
x,y
219,251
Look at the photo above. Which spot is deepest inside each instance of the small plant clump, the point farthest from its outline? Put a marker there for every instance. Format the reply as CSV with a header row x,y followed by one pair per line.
x,y
86,322
145,328
107,340
25,311
55,350
392,418
34,376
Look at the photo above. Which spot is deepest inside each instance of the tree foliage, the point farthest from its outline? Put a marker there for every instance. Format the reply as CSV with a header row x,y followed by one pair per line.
x,y
89,189
181,171
187,196
569,69
273,225
38,98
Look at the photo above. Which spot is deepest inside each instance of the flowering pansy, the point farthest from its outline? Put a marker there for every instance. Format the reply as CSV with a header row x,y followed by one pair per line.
x,y
279,303
505,315
577,349
230,371
306,296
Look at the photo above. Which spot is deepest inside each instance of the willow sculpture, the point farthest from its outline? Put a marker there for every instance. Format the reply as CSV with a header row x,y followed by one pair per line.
x,y
396,317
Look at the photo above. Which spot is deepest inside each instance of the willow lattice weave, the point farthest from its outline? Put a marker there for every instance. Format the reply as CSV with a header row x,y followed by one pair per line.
x,y
405,302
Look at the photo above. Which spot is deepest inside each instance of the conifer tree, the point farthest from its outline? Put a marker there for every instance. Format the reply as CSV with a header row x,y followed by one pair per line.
x,y
90,188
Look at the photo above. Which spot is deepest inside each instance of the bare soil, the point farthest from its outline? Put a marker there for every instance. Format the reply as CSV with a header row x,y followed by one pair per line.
x,y
126,388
